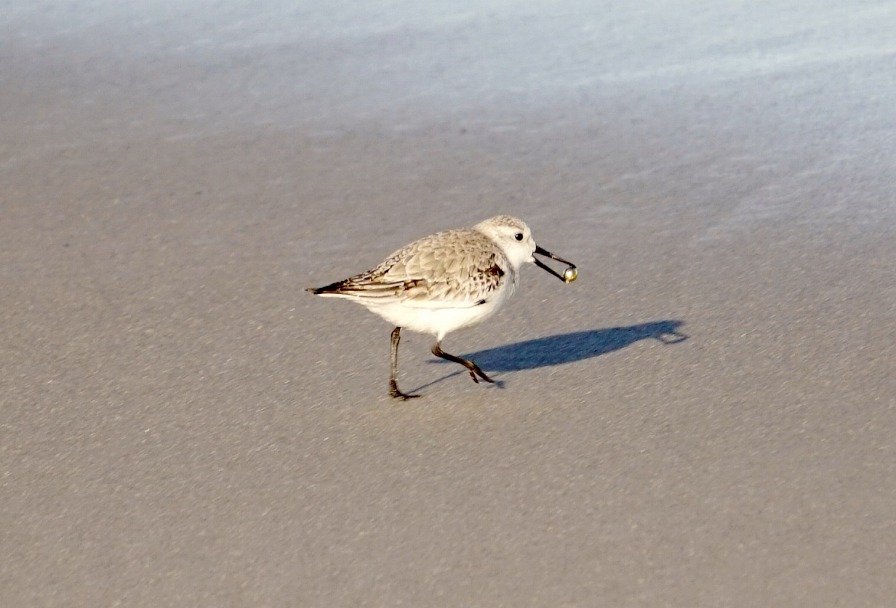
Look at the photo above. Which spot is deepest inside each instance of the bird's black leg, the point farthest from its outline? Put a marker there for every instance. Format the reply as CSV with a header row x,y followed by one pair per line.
x,y
393,383
471,367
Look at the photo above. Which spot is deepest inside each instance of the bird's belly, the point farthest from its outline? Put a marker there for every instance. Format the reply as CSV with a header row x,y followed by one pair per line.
x,y
435,321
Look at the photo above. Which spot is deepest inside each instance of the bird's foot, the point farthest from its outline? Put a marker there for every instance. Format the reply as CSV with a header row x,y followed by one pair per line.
x,y
397,394
474,370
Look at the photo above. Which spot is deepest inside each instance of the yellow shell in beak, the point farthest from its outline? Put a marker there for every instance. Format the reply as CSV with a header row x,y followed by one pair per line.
x,y
570,274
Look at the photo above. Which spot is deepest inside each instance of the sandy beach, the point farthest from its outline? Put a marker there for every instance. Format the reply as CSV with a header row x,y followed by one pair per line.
x,y
706,417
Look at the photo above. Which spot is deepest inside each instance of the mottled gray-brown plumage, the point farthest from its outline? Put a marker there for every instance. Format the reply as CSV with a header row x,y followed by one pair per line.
x,y
455,266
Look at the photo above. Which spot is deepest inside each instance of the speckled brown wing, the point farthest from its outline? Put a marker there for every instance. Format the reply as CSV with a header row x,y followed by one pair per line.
x,y
457,267
452,268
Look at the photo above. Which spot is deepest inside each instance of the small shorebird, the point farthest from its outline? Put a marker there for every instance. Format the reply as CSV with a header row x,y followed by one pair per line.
x,y
446,281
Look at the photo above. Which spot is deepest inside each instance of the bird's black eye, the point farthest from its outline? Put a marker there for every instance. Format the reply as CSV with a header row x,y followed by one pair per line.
x,y
518,236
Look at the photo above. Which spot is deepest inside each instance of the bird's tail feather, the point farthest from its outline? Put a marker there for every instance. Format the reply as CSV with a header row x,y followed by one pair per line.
x,y
350,288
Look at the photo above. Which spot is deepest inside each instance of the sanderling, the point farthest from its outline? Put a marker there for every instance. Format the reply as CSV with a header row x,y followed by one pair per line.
x,y
446,281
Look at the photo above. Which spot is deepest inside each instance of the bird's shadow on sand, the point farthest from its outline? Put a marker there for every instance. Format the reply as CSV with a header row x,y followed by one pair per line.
x,y
567,348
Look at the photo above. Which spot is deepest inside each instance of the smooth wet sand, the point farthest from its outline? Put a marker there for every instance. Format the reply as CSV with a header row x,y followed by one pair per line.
x,y
182,425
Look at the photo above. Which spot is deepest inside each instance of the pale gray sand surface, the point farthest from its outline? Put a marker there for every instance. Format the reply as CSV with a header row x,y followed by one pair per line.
x,y
182,425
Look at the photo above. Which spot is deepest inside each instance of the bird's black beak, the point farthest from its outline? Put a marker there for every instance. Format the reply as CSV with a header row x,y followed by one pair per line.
x,y
568,275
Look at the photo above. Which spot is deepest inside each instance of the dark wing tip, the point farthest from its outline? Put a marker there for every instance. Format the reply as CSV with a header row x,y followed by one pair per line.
x,y
331,288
